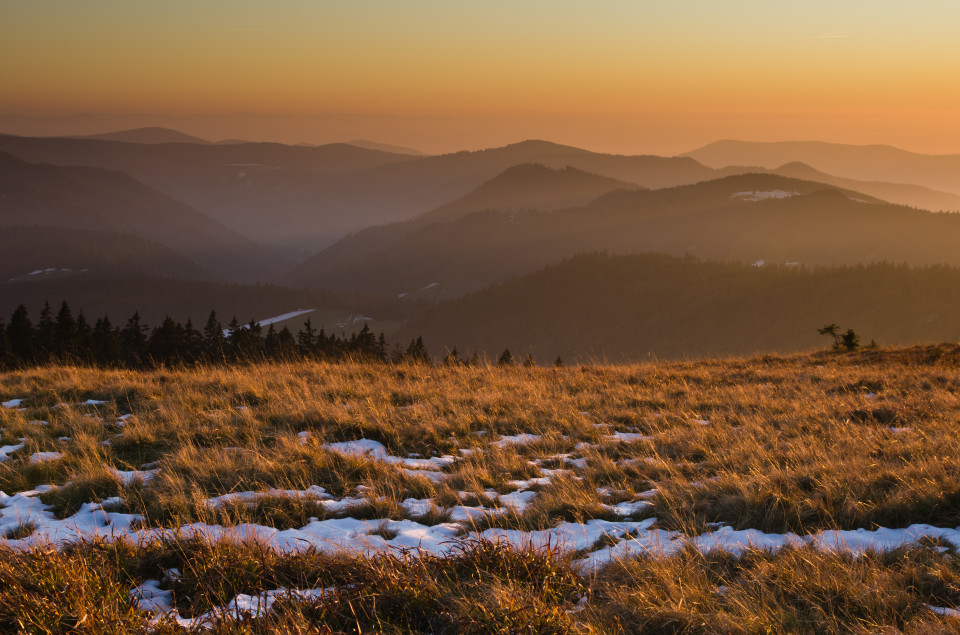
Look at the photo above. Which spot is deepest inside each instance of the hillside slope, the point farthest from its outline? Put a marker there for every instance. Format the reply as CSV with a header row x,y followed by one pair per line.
x,y
629,307
305,198
867,163
748,218
147,135
28,252
93,199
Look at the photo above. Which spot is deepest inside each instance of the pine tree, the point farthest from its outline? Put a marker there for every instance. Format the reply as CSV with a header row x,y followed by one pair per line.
x,y
166,343
417,352
286,344
4,347
133,341
452,358
64,334
45,335
21,337
83,341
106,343
194,344
213,336
307,339
506,358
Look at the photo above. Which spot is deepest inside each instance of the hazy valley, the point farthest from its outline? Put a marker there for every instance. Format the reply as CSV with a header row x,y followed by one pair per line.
x,y
145,219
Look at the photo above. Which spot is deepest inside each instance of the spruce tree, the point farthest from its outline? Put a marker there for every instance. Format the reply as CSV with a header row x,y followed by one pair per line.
x,y
214,339
106,343
417,352
286,344
452,358
21,337
166,343
83,341
64,334
133,341
4,348
45,335
307,339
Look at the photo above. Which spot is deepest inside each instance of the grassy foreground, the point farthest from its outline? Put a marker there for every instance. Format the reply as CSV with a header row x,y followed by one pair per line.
x,y
779,444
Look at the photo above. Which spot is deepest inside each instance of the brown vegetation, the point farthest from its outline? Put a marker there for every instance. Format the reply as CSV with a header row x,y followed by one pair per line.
x,y
780,444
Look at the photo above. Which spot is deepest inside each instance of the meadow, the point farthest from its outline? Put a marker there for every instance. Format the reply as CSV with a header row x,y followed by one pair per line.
x,y
803,493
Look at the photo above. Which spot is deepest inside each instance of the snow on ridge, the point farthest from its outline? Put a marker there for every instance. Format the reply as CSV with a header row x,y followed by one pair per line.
x,y
762,195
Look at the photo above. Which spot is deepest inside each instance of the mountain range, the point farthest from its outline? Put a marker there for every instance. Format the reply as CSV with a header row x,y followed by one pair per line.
x,y
747,218
173,222
866,163
616,308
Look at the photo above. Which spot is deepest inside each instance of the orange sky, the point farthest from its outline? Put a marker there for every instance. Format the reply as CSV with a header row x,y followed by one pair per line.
x,y
624,76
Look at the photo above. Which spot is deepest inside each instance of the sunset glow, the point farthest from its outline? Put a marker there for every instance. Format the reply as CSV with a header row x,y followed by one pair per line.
x,y
616,76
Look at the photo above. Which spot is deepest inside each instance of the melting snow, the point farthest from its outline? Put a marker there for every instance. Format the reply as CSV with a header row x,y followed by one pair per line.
x,y
520,439
150,597
40,457
7,450
627,437
376,450
13,403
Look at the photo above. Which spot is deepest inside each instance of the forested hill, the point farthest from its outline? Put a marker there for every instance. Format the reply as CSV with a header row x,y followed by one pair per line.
x,y
630,307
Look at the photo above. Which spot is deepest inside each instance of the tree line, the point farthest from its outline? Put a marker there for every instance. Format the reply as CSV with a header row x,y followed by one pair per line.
x,y
63,338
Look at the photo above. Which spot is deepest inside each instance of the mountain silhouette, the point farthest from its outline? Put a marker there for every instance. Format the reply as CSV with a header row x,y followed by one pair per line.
x,y
744,218
866,163
93,199
602,307
149,135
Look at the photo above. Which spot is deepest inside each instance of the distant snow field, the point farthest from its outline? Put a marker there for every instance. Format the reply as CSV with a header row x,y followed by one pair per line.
x,y
759,195
275,319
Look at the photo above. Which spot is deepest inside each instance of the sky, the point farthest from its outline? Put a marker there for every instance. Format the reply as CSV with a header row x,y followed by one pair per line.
x,y
442,75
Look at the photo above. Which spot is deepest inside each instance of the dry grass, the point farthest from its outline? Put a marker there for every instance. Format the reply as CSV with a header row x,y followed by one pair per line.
x,y
800,443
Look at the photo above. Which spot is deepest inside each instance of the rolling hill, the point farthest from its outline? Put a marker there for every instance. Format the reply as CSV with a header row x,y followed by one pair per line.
x,y
897,193
866,163
745,218
31,253
154,298
519,188
529,186
91,199
305,198
149,135
630,307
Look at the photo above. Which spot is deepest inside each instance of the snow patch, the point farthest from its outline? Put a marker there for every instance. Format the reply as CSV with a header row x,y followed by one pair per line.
x,y
762,195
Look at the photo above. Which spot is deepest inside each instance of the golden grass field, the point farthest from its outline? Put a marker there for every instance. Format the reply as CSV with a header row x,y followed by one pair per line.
x,y
800,444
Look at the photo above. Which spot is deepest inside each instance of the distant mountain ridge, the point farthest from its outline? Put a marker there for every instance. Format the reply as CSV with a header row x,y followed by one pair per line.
x,y
866,163
93,199
149,135
386,147
598,307
746,218
529,186
31,253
